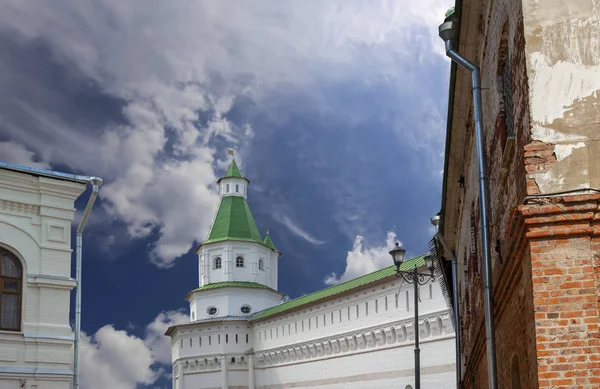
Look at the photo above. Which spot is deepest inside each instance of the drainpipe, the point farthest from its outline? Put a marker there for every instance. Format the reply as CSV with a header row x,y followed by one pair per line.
x,y
448,32
435,221
96,182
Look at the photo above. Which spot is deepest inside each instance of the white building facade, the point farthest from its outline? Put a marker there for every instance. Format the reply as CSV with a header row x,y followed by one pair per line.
x,y
352,335
36,339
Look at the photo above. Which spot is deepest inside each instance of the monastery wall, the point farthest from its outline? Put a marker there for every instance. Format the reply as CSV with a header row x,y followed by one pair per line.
x,y
371,344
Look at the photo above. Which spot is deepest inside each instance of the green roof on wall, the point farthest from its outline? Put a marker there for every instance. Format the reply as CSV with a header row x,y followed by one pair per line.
x,y
340,288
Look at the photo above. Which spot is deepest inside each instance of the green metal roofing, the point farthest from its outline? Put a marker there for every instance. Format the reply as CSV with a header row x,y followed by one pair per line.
x,y
233,171
230,284
340,288
269,243
234,221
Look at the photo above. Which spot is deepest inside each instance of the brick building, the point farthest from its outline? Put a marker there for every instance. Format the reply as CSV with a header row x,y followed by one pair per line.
x,y
540,75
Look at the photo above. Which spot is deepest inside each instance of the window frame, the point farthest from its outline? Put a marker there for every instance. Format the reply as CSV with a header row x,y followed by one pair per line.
x,y
246,306
18,292
238,262
217,263
261,264
208,309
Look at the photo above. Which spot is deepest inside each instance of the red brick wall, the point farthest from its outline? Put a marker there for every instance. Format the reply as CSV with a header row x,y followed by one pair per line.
x,y
545,252
564,235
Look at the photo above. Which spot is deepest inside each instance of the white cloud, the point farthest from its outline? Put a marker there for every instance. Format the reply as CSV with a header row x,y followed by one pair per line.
x,y
297,230
15,153
114,359
156,341
161,60
364,260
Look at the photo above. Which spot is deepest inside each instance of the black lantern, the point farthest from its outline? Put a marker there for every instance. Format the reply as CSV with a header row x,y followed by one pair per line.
x,y
430,262
397,254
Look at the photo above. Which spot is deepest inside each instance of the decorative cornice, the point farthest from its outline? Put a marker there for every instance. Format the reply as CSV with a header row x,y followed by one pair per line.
x,y
378,337
395,334
209,363
17,208
35,370
562,216
50,281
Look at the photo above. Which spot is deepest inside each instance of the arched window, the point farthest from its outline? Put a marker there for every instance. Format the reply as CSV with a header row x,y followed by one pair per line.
x,y
227,188
11,274
426,328
239,261
261,264
237,188
217,263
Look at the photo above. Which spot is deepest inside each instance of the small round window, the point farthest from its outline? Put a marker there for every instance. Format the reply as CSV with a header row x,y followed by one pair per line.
x,y
211,311
246,309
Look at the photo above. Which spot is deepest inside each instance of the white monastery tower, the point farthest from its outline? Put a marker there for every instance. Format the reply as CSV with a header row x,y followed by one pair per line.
x,y
352,335
238,268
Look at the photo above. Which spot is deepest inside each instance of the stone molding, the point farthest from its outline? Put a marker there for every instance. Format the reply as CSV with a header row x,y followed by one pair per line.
x,y
562,216
18,208
383,336
378,337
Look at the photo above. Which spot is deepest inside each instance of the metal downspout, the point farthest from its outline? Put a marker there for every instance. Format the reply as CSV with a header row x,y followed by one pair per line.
x,y
440,238
96,182
483,206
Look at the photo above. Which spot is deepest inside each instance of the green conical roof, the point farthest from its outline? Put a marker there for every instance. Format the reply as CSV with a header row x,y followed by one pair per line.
x,y
234,221
269,243
233,172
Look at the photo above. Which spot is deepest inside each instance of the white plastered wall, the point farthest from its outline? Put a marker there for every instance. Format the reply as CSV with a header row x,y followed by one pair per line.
x,y
36,214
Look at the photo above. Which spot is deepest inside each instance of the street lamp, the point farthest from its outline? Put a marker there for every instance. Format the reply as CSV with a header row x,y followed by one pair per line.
x,y
415,278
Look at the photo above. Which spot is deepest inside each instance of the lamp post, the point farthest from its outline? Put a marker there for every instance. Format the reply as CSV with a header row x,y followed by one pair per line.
x,y
415,278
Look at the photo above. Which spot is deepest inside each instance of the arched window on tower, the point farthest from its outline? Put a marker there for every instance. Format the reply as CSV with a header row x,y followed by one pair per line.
x,y
227,188
217,263
11,273
261,264
239,261
237,188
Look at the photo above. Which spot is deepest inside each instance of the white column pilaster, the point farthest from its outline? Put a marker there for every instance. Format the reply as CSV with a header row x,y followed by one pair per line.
x,y
206,266
229,263
268,270
224,384
251,379
180,381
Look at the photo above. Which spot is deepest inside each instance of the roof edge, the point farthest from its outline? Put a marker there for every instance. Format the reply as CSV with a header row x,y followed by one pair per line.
x,y
46,173
227,319
232,284
236,240
327,298
450,117
237,178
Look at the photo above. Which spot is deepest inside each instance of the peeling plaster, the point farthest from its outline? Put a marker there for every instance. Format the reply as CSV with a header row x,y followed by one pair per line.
x,y
548,135
562,84
562,151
